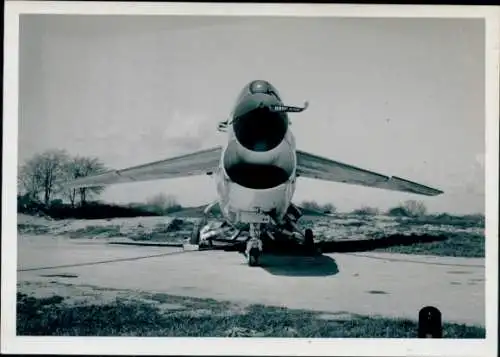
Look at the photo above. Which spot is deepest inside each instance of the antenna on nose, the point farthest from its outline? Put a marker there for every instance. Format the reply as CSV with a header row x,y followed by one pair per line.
x,y
288,109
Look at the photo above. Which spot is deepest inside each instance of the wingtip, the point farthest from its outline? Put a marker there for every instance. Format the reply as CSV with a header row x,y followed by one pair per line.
x,y
434,192
426,190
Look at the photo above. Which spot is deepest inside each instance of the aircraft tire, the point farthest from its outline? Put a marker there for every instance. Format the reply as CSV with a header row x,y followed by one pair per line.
x,y
309,239
253,257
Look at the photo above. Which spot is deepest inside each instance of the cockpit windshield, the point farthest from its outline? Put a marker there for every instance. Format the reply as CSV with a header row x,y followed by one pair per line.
x,y
260,86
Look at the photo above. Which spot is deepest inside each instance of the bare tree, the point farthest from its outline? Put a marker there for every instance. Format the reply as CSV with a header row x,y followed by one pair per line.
x,y
37,177
72,172
30,181
71,195
81,167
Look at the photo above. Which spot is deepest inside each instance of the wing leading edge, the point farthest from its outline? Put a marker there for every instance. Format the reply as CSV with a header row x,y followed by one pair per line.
x,y
197,163
312,166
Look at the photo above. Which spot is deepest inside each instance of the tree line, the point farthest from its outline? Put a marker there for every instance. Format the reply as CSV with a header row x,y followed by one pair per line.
x,y
409,208
41,178
315,206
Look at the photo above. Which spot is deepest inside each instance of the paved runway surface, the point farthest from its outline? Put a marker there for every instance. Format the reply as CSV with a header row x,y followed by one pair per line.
x,y
392,285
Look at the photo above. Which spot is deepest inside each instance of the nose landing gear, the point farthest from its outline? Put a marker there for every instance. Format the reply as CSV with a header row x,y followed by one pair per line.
x,y
254,247
253,254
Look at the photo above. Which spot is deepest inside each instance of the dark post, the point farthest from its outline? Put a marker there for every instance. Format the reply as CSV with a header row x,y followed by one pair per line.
x,y
430,323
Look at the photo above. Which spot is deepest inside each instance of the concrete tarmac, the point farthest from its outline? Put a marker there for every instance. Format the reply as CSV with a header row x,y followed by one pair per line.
x,y
390,285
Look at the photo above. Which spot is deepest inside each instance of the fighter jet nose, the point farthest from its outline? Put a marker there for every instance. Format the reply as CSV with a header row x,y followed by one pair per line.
x,y
260,129
259,86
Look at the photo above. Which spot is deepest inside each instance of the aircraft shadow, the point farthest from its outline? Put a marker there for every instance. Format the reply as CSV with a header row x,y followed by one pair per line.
x,y
291,259
363,245
298,265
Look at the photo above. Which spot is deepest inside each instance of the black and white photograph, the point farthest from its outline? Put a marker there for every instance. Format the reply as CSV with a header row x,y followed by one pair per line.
x,y
292,174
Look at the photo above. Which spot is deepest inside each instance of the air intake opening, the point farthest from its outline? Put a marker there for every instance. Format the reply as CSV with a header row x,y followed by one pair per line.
x,y
257,176
261,129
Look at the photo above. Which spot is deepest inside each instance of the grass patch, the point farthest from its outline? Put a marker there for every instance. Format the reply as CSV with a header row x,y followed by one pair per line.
x,y
467,245
174,231
27,228
101,231
466,221
53,316
353,224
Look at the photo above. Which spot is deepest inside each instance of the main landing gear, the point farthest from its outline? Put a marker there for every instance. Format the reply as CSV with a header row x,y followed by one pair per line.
x,y
254,245
198,235
282,238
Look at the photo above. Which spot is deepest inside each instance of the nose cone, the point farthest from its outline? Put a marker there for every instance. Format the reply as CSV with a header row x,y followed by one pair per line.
x,y
260,129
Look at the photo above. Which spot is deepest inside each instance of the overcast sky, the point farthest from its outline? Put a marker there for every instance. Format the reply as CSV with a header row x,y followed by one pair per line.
x,y
401,97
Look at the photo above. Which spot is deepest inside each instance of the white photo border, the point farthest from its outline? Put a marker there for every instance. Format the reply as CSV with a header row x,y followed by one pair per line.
x,y
10,343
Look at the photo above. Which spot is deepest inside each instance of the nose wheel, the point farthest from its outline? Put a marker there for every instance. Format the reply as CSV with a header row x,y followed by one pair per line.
x,y
253,257
309,241
254,247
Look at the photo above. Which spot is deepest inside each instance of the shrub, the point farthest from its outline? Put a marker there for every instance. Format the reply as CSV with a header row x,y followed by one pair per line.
x,y
410,208
366,211
397,212
415,208
315,206
163,204
56,202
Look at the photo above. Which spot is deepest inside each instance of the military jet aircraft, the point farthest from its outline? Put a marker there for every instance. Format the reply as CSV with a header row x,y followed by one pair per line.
x,y
255,173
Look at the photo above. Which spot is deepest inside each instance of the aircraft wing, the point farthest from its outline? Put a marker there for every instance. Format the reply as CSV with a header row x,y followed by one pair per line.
x,y
197,163
312,166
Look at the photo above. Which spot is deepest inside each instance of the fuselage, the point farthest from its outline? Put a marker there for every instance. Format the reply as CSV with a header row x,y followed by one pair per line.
x,y
257,171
